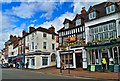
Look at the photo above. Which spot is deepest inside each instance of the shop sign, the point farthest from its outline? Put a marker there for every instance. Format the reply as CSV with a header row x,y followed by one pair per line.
x,y
72,39
92,68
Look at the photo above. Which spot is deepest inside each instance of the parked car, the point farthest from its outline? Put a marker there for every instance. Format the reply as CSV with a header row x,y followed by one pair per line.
x,y
5,65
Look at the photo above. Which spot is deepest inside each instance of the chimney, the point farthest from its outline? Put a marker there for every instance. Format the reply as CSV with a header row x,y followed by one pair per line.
x,y
52,29
83,11
24,33
31,29
11,36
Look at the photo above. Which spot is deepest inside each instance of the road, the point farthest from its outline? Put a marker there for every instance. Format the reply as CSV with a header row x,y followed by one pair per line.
x,y
25,74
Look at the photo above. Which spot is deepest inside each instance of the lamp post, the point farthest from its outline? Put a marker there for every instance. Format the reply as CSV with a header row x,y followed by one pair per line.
x,y
68,57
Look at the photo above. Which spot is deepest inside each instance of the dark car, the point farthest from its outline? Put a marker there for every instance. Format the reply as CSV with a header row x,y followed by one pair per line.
x,y
5,65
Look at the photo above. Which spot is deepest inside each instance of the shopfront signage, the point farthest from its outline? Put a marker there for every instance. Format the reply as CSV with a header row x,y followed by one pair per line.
x,y
72,39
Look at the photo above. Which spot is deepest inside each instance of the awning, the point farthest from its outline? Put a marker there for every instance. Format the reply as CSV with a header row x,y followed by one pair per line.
x,y
20,56
13,58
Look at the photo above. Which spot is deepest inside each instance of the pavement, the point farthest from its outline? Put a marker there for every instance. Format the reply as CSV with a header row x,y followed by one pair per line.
x,y
81,73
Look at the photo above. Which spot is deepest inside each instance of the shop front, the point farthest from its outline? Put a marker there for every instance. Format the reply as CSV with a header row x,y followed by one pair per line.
x,y
109,51
68,59
20,61
37,60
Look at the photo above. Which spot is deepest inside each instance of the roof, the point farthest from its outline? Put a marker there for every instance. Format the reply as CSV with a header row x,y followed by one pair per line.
x,y
72,23
42,30
100,9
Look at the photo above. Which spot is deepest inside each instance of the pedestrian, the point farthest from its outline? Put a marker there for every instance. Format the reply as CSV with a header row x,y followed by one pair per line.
x,y
22,65
17,65
27,65
104,64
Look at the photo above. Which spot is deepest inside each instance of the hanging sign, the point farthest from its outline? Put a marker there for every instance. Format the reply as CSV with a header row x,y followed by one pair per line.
x,y
72,39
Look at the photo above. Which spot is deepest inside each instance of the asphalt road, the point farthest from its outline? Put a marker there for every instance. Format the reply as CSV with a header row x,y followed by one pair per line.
x,y
25,74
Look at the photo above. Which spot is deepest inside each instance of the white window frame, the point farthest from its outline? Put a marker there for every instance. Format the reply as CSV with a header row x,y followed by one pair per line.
x,y
92,15
66,25
109,9
78,22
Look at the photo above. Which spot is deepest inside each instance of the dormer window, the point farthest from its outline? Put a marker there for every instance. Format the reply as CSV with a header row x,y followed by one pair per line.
x,y
78,22
92,15
66,25
110,9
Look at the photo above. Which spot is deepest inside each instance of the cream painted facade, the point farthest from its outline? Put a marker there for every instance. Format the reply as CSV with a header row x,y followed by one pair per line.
x,y
10,50
38,39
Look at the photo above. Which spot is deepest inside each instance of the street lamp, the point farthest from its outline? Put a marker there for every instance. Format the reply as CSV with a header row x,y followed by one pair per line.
x,y
68,56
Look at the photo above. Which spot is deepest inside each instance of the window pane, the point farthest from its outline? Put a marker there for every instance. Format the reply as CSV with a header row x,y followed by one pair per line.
x,y
44,61
78,22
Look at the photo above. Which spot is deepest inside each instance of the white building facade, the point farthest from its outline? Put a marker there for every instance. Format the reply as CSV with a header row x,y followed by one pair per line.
x,y
42,46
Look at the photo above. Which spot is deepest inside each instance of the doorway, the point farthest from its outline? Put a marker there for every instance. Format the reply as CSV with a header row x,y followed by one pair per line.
x,y
79,60
105,55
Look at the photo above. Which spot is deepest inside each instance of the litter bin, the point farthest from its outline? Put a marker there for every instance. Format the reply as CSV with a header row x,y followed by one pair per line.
x,y
116,68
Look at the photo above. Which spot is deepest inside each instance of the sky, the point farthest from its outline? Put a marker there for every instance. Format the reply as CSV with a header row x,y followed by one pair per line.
x,y
18,15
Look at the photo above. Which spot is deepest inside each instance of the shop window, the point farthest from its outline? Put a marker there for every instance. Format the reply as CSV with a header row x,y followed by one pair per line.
x,y
119,55
92,57
32,61
53,57
111,55
116,55
44,61
67,57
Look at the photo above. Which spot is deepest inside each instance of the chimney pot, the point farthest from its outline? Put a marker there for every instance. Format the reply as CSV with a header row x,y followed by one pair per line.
x,y
52,29
83,11
31,29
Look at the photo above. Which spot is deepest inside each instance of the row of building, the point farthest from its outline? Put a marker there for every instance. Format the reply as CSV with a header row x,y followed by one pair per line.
x,y
81,43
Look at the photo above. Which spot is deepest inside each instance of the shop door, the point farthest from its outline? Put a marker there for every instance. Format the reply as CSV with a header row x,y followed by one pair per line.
x,y
105,55
78,60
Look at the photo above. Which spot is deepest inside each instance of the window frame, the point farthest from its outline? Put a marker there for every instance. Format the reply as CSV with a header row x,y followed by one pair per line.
x,y
78,22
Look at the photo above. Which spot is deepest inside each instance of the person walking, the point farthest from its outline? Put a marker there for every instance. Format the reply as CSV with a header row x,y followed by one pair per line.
x,y
22,64
104,62
17,65
27,65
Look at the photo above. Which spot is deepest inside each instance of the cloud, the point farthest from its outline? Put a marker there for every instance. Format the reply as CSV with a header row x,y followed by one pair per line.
x,y
58,21
77,5
8,27
29,9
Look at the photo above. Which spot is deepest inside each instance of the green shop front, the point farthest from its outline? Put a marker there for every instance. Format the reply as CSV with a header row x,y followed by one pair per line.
x,y
109,49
